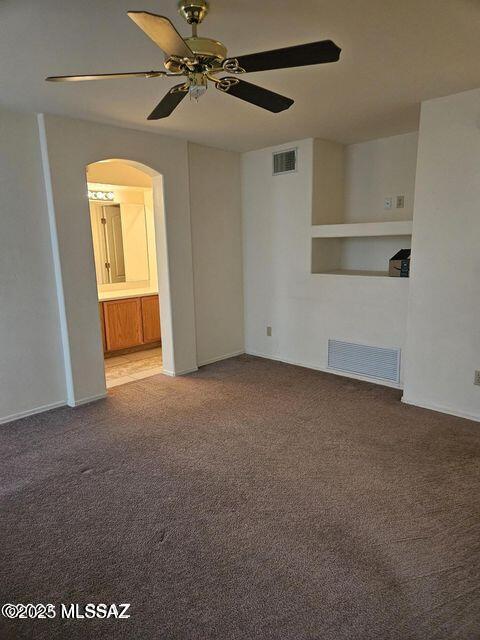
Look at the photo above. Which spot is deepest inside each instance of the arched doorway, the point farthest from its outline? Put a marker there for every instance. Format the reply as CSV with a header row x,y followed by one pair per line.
x,y
67,148
121,198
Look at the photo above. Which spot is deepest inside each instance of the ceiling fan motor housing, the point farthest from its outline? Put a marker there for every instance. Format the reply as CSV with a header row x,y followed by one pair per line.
x,y
207,48
209,53
194,11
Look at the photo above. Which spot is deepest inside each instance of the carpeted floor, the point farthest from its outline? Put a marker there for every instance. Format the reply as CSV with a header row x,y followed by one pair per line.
x,y
251,500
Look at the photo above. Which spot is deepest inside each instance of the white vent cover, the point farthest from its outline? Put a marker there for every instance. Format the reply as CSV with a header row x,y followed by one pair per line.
x,y
284,162
372,362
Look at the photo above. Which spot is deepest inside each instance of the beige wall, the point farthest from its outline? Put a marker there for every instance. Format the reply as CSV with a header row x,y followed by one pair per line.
x,y
303,309
215,210
443,345
376,170
328,191
45,327
31,369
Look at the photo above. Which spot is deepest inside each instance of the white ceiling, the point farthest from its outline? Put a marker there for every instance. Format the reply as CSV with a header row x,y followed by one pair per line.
x,y
396,53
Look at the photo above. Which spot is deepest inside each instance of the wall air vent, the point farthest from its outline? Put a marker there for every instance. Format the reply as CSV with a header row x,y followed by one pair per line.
x,y
284,162
371,362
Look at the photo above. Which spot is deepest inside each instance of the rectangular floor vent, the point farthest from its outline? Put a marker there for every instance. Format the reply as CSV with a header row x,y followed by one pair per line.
x,y
372,362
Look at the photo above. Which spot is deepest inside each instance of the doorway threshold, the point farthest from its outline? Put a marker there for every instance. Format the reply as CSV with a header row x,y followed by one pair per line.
x,y
133,366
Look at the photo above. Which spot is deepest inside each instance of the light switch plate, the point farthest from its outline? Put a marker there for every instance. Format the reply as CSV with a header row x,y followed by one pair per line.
x,y
400,202
476,379
269,331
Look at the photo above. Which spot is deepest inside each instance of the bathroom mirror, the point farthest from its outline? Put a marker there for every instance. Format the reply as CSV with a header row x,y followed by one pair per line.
x,y
120,243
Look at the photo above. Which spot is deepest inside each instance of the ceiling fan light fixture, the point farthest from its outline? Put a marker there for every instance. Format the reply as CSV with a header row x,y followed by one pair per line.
x,y
197,86
196,91
199,60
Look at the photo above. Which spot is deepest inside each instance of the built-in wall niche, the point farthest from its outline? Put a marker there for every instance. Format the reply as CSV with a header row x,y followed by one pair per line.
x,y
353,231
328,189
356,256
351,183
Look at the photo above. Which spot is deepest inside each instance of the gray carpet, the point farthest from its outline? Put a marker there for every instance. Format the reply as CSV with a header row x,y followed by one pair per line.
x,y
251,500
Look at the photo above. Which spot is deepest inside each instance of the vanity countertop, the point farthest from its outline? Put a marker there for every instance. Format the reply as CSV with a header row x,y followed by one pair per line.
x,y
106,296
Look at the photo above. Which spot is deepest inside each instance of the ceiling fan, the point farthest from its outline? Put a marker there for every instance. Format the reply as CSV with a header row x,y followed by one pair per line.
x,y
199,60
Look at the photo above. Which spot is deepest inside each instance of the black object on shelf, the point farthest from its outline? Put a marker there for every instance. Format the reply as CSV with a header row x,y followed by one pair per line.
x,y
399,266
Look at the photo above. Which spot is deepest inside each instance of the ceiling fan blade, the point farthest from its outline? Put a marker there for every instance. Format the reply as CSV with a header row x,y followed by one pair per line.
x,y
163,33
107,76
299,56
259,96
169,103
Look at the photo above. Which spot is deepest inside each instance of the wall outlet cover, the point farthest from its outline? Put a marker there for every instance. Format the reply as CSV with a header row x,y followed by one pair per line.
x,y
388,203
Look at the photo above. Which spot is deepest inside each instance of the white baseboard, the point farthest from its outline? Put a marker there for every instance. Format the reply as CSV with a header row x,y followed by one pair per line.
x,y
184,372
32,412
405,399
441,409
334,372
202,363
174,374
79,403
220,358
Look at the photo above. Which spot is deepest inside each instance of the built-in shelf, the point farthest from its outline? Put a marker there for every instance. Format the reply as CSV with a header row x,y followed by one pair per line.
x,y
356,255
339,246
363,229
359,272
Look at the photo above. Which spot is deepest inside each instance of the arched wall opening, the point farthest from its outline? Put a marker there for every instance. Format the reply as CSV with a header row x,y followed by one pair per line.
x,y
127,206
67,148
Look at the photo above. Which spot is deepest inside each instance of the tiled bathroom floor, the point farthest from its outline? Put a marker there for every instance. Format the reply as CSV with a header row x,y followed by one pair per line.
x,y
133,366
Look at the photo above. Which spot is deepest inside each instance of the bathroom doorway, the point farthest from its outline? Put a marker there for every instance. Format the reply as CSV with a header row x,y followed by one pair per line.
x,y
122,220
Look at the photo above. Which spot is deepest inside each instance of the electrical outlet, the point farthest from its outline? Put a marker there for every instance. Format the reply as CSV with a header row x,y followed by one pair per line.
x,y
269,331
388,203
476,379
400,202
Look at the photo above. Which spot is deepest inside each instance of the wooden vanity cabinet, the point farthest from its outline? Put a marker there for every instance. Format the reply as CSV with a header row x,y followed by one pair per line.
x,y
130,322
151,319
102,325
123,323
